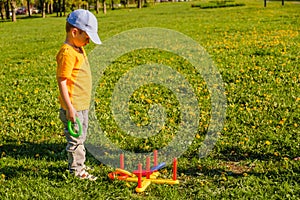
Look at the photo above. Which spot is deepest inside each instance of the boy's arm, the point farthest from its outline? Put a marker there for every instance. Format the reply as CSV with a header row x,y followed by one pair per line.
x,y
71,112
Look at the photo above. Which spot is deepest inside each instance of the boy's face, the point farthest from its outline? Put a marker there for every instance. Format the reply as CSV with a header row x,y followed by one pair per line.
x,y
80,38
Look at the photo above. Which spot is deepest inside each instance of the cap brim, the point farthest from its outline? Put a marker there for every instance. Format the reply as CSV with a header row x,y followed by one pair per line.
x,y
94,37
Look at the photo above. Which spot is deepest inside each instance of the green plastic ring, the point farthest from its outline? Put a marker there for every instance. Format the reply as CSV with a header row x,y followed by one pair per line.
x,y
70,128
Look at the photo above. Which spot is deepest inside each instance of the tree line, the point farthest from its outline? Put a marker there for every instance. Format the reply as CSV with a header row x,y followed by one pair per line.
x,y
9,8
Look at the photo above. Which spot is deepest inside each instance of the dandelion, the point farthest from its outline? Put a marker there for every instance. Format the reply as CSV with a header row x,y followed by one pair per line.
x,y
36,90
149,101
267,142
281,122
142,96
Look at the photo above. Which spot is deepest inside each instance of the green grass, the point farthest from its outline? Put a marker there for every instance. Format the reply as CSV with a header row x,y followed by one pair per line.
x,y
256,50
217,4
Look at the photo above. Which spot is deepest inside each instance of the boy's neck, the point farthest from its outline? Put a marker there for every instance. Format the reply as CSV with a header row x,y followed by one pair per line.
x,y
78,49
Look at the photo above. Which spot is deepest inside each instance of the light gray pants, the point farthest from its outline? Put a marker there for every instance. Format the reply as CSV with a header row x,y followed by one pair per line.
x,y
75,146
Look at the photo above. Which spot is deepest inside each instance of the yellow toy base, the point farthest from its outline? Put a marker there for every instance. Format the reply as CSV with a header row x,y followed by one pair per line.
x,y
124,175
145,184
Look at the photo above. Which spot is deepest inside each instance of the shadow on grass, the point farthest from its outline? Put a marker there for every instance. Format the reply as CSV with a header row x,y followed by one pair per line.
x,y
236,163
47,151
21,17
237,154
221,174
47,160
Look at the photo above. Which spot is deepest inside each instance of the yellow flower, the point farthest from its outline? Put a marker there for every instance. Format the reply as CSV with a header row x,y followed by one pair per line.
x,y
149,101
142,96
282,121
267,142
147,147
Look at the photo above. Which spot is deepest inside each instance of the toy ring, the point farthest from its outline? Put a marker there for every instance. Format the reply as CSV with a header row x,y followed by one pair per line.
x,y
71,127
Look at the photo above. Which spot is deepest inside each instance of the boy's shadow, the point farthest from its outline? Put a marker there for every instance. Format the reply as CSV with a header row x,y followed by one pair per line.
x,y
28,159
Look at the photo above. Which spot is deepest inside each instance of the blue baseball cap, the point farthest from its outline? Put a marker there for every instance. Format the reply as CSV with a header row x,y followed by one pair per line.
x,y
85,21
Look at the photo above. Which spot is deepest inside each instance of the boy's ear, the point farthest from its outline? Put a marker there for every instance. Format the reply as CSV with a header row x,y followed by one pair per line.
x,y
74,31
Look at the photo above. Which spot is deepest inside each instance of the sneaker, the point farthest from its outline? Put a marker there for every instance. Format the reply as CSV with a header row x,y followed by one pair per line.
x,y
85,175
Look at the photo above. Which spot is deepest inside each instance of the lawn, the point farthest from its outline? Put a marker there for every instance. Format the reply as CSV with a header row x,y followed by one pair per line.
x,y
254,48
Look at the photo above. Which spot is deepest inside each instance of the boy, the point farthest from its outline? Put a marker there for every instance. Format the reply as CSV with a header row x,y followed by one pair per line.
x,y
74,82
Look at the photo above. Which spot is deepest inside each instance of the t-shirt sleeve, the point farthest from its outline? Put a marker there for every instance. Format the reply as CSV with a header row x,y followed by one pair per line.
x,y
65,63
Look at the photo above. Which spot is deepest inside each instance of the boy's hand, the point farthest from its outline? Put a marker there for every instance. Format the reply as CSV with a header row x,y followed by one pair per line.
x,y
71,115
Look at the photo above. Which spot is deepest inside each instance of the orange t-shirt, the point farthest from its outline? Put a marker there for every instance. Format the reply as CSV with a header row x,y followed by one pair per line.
x,y
74,66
